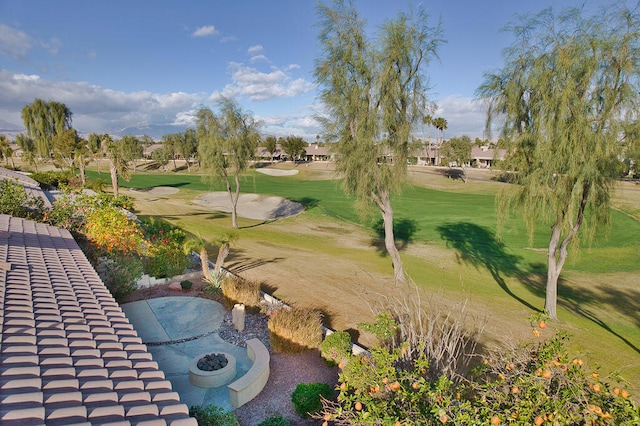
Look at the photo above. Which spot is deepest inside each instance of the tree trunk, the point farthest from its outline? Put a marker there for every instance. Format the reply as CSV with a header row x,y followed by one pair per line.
x,y
384,203
83,175
553,273
222,255
204,262
114,177
555,260
234,200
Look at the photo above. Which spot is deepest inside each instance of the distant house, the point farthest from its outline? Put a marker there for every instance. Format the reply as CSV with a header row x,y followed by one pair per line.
x,y
316,152
485,156
264,155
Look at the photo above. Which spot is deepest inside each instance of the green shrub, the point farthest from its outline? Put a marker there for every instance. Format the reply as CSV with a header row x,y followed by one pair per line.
x,y
336,347
211,287
210,415
186,284
120,274
97,185
15,201
238,290
52,179
307,397
275,420
295,329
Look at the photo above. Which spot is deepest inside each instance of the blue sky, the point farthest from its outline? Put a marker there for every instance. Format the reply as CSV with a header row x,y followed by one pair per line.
x,y
119,64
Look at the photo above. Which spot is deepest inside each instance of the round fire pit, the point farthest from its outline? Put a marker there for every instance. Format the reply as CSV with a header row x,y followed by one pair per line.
x,y
215,373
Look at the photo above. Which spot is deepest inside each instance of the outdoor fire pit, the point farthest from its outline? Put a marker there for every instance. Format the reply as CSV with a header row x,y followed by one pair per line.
x,y
212,370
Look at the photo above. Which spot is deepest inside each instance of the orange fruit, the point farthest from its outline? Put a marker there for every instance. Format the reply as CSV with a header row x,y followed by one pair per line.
x,y
596,387
495,420
358,405
444,418
538,421
343,386
542,324
624,393
515,389
385,380
341,365
415,385
616,391
394,386
546,374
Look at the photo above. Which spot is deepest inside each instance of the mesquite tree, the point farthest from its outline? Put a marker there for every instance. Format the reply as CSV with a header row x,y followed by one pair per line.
x,y
226,143
568,86
374,92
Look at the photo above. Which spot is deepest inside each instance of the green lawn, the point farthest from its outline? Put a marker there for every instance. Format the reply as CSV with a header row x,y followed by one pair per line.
x,y
599,300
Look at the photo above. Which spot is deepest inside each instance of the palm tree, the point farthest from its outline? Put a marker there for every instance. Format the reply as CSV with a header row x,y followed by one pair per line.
x,y
198,244
4,147
118,164
440,124
428,120
224,241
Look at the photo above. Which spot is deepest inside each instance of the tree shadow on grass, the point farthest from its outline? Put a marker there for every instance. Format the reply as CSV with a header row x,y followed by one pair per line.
x,y
238,262
451,173
579,301
307,202
478,246
403,231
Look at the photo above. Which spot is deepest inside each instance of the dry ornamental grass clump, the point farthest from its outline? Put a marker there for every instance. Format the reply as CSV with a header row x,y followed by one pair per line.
x,y
295,329
237,290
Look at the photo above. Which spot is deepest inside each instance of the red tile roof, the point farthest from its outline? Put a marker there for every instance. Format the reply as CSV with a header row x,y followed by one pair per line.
x,y
68,355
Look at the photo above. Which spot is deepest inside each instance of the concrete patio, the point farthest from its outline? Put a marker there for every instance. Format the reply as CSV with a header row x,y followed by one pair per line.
x,y
178,329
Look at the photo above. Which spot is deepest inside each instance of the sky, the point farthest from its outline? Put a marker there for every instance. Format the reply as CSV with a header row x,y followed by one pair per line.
x,y
132,64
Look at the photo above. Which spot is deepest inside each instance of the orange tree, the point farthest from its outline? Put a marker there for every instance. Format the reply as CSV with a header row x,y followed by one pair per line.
x,y
532,384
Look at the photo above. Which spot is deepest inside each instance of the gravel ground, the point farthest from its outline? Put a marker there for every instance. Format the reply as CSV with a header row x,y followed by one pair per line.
x,y
287,371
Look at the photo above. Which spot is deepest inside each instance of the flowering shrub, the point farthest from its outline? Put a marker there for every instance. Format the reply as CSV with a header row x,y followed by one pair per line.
x,y
532,384
165,255
108,230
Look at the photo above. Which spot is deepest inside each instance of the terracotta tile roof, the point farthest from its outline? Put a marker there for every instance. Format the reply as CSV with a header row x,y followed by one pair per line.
x,y
68,355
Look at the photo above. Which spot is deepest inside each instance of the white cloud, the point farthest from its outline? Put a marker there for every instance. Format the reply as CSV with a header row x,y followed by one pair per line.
x,y
25,77
228,39
262,86
205,31
253,50
465,116
14,43
96,108
53,45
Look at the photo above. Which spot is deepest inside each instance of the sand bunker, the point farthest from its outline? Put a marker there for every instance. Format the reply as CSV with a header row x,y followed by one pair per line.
x,y
277,172
252,206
